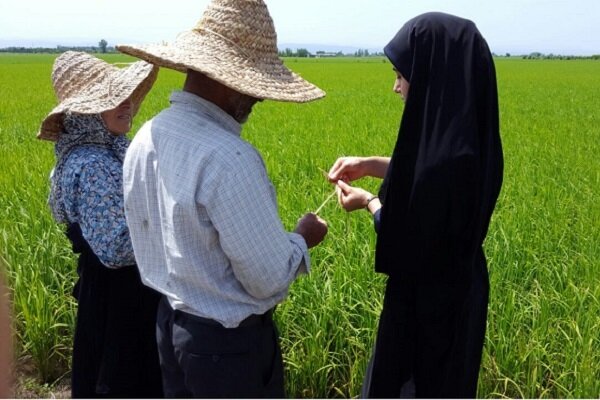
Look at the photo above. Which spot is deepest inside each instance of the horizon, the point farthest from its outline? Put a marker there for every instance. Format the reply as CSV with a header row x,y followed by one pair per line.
x,y
312,48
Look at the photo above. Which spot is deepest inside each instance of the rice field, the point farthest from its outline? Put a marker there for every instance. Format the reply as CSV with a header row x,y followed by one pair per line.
x,y
543,247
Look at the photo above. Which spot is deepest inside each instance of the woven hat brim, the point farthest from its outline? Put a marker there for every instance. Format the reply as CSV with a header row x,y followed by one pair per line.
x,y
133,82
218,59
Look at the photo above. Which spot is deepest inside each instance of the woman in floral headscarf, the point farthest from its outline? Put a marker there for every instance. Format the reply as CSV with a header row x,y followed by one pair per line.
x,y
114,350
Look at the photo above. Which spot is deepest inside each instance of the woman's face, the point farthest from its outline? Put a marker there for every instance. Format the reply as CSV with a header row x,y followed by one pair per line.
x,y
118,120
401,85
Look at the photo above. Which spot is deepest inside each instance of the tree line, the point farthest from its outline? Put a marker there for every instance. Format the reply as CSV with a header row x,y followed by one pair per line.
x,y
102,47
304,53
541,56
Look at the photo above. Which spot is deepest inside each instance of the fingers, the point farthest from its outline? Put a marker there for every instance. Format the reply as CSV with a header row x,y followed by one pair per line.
x,y
344,187
342,190
342,169
321,220
344,194
347,169
336,170
313,228
351,198
340,195
311,218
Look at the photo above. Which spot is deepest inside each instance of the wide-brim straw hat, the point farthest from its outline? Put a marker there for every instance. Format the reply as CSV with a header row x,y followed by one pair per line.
x,y
85,84
235,44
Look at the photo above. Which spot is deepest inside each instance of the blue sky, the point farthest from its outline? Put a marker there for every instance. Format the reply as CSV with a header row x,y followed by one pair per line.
x,y
515,26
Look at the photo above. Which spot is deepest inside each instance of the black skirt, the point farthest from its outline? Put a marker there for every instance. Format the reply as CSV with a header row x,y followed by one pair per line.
x,y
430,338
114,351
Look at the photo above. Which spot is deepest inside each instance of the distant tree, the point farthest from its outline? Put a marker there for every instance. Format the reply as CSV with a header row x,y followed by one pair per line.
x,y
102,44
507,54
362,53
289,52
536,55
302,53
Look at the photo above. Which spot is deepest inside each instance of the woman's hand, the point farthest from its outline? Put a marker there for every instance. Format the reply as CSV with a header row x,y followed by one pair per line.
x,y
347,169
352,198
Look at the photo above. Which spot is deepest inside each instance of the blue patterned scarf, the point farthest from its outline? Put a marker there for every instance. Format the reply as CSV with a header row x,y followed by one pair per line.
x,y
79,130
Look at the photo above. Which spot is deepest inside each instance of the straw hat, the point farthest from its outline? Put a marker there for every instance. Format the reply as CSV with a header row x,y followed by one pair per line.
x,y
87,85
235,44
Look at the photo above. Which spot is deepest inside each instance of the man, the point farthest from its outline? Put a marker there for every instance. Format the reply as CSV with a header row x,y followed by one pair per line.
x,y
202,211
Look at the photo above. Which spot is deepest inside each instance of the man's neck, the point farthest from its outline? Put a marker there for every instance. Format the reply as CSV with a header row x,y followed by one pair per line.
x,y
209,89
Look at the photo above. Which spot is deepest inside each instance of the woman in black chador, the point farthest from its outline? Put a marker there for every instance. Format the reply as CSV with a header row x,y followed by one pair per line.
x,y
433,210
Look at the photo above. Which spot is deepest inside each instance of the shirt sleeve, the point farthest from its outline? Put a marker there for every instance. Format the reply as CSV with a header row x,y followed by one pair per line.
x,y
95,201
243,209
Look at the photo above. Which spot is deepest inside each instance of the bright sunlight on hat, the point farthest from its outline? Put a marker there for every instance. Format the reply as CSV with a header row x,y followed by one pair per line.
x,y
86,85
235,44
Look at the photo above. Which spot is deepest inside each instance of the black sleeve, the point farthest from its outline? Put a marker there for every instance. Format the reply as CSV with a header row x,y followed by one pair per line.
x,y
377,220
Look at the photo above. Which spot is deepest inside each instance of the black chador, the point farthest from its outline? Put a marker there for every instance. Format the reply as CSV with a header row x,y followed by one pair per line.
x,y
438,197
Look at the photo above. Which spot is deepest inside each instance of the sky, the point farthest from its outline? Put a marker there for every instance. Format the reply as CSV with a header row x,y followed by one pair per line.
x,y
568,27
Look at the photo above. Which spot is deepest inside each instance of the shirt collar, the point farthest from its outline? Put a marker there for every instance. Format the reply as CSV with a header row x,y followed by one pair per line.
x,y
202,106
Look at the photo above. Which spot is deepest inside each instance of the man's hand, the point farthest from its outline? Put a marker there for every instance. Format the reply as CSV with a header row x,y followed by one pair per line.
x,y
312,228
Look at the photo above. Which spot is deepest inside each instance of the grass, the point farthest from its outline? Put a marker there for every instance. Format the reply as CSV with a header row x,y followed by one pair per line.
x,y
542,330
542,247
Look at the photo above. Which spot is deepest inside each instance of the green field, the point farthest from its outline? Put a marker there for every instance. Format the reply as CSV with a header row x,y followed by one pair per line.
x,y
543,247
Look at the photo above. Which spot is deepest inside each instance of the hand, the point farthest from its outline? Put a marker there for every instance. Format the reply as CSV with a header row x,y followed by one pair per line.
x,y
312,228
347,169
351,198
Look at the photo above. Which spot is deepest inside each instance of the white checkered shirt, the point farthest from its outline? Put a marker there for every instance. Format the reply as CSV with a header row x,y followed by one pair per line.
x,y
203,216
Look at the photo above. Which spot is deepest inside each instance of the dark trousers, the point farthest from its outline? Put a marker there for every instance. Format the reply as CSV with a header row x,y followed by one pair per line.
x,y
200,358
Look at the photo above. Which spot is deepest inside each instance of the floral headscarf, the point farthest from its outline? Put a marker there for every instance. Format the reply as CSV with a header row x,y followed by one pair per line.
x,y
79,130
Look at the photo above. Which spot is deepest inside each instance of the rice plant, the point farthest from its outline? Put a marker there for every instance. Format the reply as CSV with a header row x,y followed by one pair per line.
x,y
542,247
